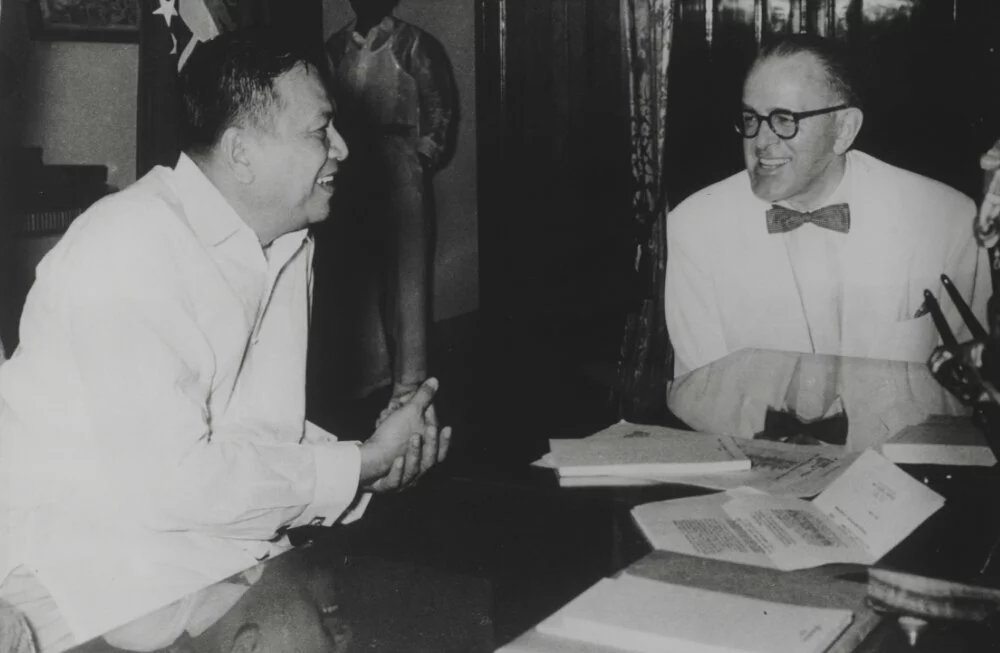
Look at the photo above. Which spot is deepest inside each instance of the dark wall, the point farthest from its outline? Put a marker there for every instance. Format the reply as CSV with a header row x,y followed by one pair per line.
x,y
554,151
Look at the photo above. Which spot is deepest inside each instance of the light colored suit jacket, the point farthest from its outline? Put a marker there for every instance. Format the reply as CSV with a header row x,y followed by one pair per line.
x,y
731,285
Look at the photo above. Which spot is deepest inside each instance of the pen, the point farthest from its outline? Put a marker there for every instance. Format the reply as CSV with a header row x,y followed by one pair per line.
x,y
977,330
947,337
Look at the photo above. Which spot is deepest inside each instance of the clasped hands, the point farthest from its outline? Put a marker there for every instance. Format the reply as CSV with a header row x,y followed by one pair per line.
x,y
407,442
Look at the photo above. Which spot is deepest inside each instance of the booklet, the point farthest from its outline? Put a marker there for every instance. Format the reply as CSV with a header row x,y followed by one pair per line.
x,y
645,451
638,614
869,509
940,440
776,467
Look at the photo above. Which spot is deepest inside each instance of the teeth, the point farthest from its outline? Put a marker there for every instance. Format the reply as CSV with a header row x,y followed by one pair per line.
x,y
773,162
329,609
326,180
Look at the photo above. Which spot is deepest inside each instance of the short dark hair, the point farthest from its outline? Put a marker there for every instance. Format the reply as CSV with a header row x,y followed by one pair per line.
x,y
832,56
230,81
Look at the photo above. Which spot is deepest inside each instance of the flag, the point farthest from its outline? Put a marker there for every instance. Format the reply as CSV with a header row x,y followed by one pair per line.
x,y
170,31
186,23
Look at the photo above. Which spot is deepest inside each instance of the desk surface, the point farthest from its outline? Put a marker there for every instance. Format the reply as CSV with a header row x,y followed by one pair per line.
x,y
473,558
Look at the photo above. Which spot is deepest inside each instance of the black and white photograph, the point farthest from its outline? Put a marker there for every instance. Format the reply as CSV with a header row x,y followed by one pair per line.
x,y
499,326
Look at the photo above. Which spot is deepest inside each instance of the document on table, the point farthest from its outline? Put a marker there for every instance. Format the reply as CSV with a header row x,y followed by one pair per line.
x,y
869,509
776,467
646,616
940,440
674,454
783,469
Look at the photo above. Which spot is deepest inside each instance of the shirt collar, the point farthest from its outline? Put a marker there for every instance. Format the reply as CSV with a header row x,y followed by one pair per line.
x,y
208,213
213,219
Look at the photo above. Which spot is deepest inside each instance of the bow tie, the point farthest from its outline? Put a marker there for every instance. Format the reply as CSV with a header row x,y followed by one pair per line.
x,y
836,217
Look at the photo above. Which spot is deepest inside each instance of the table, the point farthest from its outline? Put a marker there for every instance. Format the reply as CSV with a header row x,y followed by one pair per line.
x,y
474,556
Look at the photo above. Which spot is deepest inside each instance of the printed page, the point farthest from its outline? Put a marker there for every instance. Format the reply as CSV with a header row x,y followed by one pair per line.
x,y
795,470
748,528
877,503
869,509
794,533
699,526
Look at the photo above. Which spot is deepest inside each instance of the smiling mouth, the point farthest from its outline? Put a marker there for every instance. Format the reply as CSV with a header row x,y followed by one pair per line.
x,y
765,164
326,182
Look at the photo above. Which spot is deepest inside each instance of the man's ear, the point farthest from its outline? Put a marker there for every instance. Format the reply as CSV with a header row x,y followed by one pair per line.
x,y
236,147
247,639
848,127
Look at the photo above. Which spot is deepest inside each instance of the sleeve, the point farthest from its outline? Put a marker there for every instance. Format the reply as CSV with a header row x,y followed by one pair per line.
x,y
430,67
339,478
693,320
148,372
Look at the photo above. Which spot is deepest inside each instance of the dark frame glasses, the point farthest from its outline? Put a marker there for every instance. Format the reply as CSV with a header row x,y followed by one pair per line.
x,y
784,123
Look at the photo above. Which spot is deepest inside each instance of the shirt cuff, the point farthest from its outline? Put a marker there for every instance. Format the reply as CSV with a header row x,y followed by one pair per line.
x,y
338,472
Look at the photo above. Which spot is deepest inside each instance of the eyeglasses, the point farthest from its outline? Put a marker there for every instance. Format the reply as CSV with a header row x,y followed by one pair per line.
x,y
784,124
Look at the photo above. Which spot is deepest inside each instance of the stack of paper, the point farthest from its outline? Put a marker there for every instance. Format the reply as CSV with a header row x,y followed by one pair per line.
x,y
670,453
869,509
648,616
941,440
775,467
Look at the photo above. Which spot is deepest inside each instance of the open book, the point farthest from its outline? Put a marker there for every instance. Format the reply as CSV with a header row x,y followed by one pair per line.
x,y
869,509
638,614
647,451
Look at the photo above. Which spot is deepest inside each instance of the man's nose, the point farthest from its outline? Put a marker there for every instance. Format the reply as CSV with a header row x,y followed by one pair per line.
x,y
338,146
765,135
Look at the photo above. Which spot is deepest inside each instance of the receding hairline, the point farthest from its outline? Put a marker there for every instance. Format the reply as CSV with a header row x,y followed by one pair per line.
x,y
825,75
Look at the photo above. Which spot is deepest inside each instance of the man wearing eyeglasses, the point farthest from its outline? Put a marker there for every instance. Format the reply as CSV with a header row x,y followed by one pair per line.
x,y
815,247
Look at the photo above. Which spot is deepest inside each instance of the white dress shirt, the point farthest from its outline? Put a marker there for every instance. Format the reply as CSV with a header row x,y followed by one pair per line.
x,y
731,285
153,438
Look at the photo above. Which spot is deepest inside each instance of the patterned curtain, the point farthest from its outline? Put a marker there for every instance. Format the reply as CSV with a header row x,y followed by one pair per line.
x,y
646,358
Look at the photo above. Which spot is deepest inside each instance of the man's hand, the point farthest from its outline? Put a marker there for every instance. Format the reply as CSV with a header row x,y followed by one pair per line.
x,y
991,159
401,393
988,221
406,444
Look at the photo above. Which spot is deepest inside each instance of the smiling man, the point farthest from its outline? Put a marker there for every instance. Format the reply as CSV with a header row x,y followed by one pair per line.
x,y
152,425
815,247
